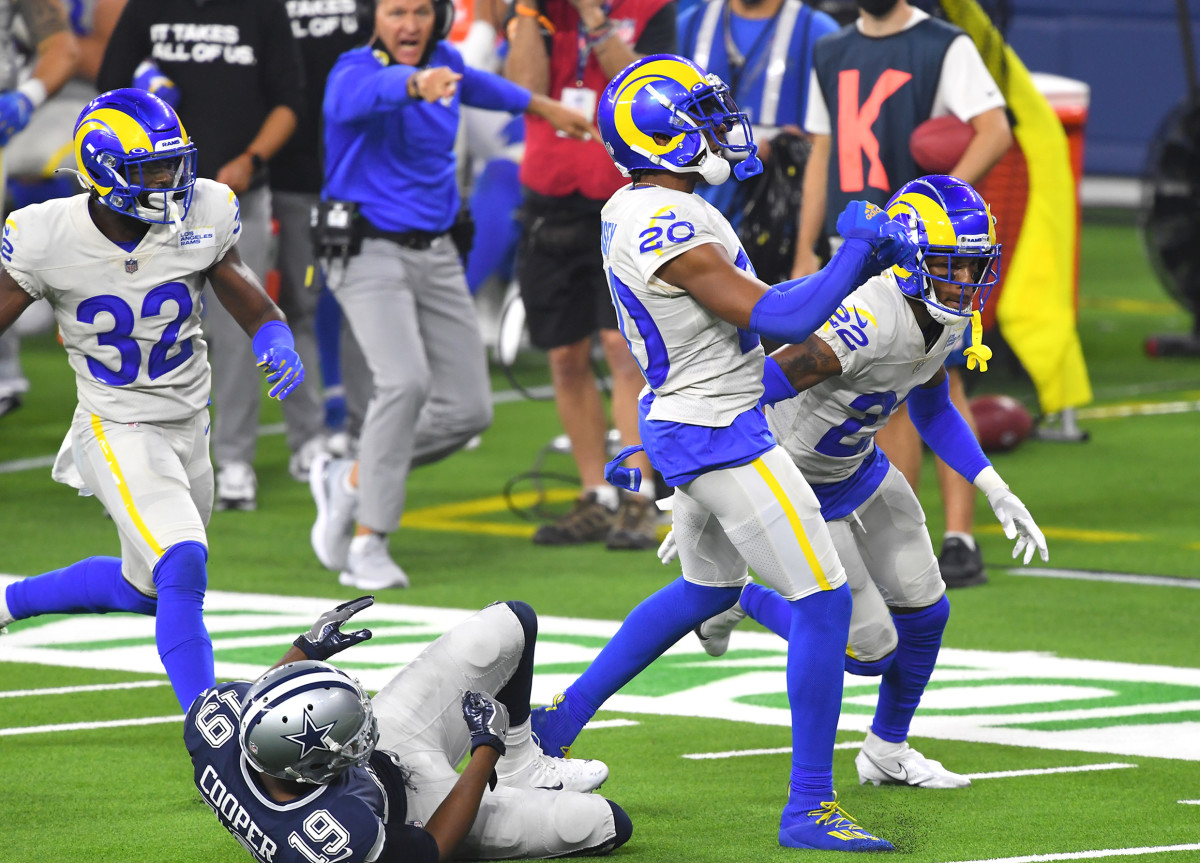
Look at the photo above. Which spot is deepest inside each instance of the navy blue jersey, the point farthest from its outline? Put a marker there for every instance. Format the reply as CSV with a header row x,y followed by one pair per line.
x,y
358,817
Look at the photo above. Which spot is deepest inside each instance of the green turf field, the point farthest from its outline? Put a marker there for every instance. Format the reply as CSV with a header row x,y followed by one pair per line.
x,y
1073,668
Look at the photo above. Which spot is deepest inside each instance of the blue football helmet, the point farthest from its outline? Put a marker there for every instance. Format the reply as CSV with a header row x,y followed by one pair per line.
x,y
135,156
307,721
673,97
947,217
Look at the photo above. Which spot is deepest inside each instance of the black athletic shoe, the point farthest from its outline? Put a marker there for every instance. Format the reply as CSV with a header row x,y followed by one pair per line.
x,y
961,565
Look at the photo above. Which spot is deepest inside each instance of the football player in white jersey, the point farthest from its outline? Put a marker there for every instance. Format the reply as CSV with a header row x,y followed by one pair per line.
x,y
886,344
691,309
124,267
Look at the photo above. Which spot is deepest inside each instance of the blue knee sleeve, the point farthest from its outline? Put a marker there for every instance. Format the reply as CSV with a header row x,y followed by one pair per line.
x,y
93,585
817,638
651,628
183,642
920,639
515,694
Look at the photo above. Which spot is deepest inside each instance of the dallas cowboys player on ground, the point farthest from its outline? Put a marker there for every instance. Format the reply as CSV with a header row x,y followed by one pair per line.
x,y
690,307
123,268
301,765
885,344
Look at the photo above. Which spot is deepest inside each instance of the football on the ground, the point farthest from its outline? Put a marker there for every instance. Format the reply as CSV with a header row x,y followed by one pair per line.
x,y
937,145
1002,422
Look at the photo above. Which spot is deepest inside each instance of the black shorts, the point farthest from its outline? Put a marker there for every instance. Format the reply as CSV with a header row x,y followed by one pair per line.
x,y
561,271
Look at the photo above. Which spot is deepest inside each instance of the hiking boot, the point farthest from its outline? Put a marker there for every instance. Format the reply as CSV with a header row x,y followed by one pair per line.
x,y
588,521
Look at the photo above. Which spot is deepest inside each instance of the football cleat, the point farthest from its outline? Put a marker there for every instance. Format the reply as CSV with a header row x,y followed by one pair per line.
x,y
829,828
714,633
881,762
559,774
553,728
337,503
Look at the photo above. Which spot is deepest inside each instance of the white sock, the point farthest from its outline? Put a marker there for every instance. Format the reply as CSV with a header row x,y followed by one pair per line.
x,y
647,489
965,537
519,749
607,496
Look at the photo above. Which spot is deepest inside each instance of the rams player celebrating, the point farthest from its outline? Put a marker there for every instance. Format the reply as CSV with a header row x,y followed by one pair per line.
x,y
691,309
874,353
123,268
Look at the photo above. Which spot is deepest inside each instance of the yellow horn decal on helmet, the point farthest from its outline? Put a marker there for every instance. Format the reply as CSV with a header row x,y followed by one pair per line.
x,y
80,134
978,353
128,131
991,224
658,70
937,224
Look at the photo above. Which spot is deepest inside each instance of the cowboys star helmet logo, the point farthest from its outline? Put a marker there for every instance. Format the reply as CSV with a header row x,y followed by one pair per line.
x,y
311,737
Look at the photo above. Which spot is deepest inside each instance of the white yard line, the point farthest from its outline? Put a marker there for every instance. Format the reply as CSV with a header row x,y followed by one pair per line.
x,y
613,723
1189,802
1118,577
1045,771
95,687
88,726
741,753
1087,855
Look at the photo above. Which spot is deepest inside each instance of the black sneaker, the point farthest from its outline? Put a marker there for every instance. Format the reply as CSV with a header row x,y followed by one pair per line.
x,y
961,565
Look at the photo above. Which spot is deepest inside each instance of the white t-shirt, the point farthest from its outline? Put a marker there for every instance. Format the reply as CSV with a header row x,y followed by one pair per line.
x,y
965,89
130,320
703,370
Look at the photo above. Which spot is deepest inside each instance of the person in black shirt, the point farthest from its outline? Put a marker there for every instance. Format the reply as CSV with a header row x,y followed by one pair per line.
x,y
241,91
301,765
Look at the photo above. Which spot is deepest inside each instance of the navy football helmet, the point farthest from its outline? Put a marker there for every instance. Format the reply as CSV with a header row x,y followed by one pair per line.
x,y
671,96
135,156
949,221
307,721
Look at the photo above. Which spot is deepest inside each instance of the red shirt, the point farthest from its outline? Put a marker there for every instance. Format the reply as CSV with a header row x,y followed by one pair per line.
x,y
557,166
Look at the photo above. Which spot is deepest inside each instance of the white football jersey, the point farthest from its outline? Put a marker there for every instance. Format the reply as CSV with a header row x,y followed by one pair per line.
x,y
702,369
130,321
829,430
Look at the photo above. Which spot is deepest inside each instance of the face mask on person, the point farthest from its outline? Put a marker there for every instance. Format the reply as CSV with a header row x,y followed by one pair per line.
x,y
878,8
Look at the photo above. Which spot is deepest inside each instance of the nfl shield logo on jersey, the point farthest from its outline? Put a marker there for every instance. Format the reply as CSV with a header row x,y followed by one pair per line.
x,y
131,265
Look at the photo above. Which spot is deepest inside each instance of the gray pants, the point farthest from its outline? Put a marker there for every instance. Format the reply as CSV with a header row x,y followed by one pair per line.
x,y
412,315
236,382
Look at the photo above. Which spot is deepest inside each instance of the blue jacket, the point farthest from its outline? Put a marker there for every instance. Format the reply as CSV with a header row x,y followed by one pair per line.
x,y
395,155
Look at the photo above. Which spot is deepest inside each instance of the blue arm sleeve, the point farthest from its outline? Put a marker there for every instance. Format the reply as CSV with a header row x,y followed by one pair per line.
x,y
356,89
272,334
941,426
791,311
776,386
484,90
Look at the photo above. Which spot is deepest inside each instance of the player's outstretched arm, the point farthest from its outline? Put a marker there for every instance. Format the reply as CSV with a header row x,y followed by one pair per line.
x,y
243,295
325,637
13,300
941,426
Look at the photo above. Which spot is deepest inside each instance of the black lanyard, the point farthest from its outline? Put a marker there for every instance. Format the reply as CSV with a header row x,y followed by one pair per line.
x,y
581,56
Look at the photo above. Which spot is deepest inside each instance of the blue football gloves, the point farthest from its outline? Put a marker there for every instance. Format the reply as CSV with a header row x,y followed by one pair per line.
x,y
325,637
15,110
150,78
487,720
889,239
275,349
861,220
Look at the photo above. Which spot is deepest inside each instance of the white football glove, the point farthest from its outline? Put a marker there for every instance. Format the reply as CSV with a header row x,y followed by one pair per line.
x,y
1014,517
668,551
